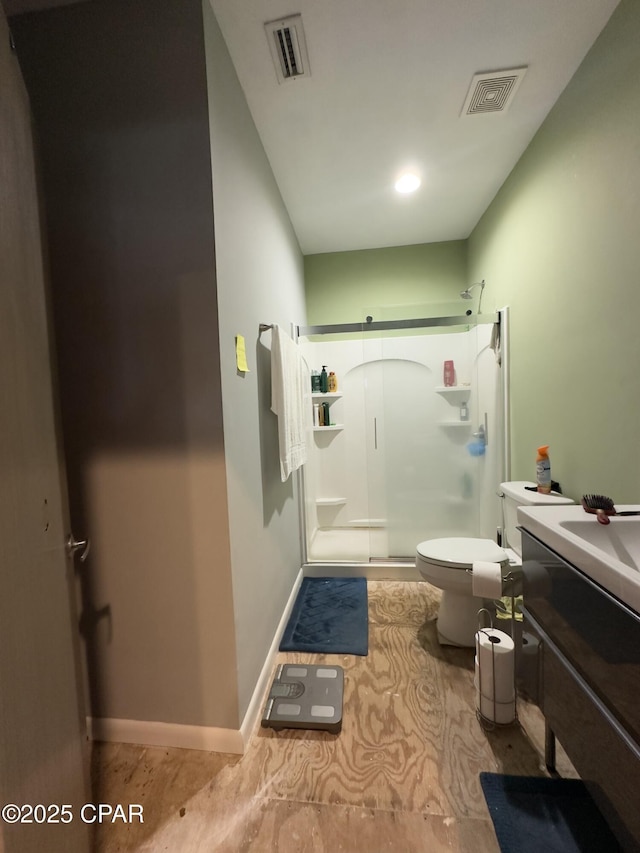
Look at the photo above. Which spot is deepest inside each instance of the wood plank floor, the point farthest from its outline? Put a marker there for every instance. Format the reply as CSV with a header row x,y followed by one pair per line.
x,y
402,776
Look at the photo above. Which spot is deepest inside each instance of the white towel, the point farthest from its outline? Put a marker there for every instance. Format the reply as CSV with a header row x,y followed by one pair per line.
x,y
290,387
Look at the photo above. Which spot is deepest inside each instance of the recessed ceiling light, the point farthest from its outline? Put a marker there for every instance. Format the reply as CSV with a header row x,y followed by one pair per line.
x,y
407,183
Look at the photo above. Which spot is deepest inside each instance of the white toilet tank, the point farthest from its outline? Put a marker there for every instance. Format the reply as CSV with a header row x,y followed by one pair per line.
x,y
516,494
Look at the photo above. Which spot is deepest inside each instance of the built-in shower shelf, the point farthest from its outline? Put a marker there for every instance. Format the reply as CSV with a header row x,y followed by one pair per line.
x,y
332,428
330,501
329,395
453,389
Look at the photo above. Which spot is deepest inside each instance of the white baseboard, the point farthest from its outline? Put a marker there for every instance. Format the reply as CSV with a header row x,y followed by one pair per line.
x,y
206,738
263,683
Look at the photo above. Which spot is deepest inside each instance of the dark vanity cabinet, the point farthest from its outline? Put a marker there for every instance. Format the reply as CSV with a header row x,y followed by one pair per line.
x,y
581,664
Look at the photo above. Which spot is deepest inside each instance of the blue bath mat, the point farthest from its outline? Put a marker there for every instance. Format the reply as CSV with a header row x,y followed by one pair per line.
x,y
330,616
532,814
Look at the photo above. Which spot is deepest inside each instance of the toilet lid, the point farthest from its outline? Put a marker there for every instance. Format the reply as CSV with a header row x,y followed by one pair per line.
x,y
460,553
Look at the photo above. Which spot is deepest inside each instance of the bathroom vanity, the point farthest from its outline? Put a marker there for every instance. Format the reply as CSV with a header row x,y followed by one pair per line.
x,y
581,659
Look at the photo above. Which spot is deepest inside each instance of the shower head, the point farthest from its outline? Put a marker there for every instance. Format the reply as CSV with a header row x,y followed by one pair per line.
x,y
466,294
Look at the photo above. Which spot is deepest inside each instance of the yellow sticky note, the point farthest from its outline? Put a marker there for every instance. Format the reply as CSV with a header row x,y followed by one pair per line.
x,y
241,354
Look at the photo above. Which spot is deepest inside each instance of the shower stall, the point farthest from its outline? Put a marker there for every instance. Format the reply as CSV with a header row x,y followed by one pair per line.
x,y
404,458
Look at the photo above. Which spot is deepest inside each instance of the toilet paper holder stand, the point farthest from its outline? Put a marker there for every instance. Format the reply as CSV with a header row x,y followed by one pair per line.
x,y
512,587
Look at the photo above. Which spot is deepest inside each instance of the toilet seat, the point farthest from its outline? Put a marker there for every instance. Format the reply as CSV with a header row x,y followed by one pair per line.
x,y
460,553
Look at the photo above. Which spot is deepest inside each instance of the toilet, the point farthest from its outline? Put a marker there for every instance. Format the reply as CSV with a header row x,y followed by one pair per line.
x,y
447,563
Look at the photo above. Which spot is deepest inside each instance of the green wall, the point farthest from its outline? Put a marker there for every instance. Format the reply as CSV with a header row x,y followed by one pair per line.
x,y
560,245
342,287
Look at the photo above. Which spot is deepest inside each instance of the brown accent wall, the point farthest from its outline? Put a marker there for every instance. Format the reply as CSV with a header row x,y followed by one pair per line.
x,y
118,90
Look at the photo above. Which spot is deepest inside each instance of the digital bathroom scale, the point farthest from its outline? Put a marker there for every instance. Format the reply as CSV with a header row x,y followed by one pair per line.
x,y
305,696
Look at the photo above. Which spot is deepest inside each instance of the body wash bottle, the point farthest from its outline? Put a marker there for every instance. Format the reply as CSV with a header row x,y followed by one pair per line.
x,y
449,376
543,470
324,384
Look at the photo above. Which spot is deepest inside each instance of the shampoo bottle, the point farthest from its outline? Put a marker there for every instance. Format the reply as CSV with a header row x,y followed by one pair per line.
x,y
324,384
332,382
543,470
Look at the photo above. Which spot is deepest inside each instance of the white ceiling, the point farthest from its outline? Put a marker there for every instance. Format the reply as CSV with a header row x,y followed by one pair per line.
x,y
388,82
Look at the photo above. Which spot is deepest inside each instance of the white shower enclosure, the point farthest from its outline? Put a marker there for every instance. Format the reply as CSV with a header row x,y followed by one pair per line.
x,y
404,458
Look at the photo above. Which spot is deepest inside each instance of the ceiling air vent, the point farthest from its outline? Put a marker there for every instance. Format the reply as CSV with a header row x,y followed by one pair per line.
x,y
288,48
492,92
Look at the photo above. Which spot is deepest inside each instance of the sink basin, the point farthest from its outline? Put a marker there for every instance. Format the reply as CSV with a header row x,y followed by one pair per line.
x,y
608,553
619,540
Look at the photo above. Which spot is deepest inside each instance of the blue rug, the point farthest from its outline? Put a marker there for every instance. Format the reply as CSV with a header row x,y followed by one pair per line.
x,y
532,814
330,616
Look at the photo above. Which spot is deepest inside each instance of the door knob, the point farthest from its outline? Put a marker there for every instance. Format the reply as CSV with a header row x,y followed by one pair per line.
x,y
82,545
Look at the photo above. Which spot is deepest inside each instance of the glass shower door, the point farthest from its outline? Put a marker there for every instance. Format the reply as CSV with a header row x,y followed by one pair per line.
x,y
424,482
374,432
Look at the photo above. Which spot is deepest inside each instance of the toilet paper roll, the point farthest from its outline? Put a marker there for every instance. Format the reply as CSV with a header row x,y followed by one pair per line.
x,y
495,652
502,713
486,579
526,657
528,665
529,644
483,688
